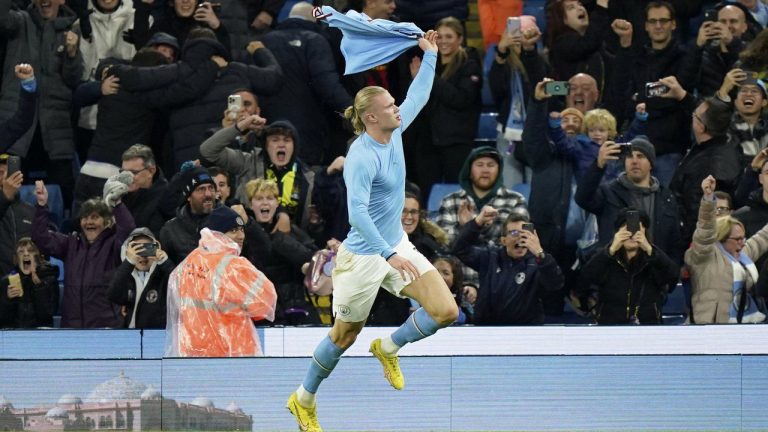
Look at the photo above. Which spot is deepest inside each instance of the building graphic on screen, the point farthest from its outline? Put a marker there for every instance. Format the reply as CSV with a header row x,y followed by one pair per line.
x,y
123,404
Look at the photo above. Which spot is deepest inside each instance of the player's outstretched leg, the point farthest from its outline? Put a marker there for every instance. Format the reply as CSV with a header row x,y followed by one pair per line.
x,y
301,403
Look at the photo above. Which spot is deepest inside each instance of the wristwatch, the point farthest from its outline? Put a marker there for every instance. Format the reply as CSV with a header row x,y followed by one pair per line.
x,y
540,255
504,54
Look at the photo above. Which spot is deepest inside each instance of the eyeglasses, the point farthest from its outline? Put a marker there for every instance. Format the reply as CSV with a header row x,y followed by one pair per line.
x,y
750,90
513,233
134,172
655,21
737,239
723,209
412,212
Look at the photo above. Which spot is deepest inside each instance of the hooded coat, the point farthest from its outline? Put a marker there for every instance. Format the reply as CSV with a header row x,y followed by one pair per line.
x,y
246,166
214,296
499,197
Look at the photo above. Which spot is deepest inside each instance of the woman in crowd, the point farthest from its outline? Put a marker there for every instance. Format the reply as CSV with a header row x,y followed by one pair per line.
x,y
721,263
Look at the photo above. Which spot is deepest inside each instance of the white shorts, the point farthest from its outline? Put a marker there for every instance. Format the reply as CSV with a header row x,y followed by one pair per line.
x,y
357,278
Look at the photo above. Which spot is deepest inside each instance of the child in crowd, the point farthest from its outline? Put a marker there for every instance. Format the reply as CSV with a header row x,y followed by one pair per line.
x,y
600,126
29,296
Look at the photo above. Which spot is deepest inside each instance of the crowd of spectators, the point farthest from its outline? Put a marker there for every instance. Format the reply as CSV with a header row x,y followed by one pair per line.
x,y
629,160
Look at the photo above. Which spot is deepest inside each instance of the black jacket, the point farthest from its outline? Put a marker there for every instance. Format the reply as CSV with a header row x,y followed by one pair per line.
x,y
551,182
626,289
15,222
150,312
180,235
35,308
168,22
425,14
511,289
606,200
16,126
572,53
717,157
454,105
669,121
237,16
311,85
144,204
711,65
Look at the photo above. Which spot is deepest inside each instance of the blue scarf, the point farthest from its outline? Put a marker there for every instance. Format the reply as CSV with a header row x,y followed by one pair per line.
x,y
743,266
368,43
516,119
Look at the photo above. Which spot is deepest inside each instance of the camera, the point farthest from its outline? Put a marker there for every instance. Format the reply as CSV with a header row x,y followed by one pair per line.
x,y
655,89
528,227
557,88
149,250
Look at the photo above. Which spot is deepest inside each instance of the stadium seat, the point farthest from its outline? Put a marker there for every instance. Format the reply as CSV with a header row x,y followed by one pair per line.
x,y
436,195
675,310
523,188
285,10
55,200
486,127
537,8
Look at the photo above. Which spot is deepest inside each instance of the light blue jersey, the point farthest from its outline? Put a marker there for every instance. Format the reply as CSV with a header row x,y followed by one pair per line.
x,y
375,176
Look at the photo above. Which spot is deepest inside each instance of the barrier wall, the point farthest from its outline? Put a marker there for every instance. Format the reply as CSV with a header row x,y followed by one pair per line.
x,y
512,378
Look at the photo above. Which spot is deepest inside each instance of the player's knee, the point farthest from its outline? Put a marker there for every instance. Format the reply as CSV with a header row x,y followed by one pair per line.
x,y
447,315
345,339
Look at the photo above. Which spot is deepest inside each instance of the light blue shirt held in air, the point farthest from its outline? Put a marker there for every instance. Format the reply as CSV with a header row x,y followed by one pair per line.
x,y
375,176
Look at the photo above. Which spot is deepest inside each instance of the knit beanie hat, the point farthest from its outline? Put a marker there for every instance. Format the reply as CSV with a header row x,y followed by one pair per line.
x,y
223,219
572,111
640,143
195,177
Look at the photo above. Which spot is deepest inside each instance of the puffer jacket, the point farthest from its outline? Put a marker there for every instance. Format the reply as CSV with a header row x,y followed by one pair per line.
x,y
213,296
42,44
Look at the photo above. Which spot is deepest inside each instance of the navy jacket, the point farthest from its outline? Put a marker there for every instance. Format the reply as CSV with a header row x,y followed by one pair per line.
x,y
510,290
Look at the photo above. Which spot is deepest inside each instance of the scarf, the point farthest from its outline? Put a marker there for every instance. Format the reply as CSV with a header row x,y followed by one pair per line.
x,y
516,119
368,43
743,268
289,194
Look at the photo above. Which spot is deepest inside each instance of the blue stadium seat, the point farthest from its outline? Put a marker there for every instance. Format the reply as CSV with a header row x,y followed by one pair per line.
x,y
286,9
537,8
55,200
523,188
436,195
486,127
675,310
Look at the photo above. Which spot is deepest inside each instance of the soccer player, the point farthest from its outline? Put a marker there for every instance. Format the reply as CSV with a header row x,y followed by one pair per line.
x,y
377,252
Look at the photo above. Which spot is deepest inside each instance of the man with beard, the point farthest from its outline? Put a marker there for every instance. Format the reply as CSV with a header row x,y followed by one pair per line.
x,y
481,185
179,236
634,188
513,276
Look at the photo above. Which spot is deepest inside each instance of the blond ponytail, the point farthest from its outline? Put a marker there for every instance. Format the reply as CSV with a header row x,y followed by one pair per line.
x,y
363,101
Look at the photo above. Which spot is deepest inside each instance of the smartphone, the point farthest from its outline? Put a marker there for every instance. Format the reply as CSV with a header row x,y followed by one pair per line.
x,y
633,221
149,250
655,89
751,76
234,103
513,26
711,15
625,150
14,164
557,88
528,227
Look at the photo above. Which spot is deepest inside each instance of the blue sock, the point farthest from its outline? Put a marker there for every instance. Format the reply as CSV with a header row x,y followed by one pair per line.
x,y
418,326
324,359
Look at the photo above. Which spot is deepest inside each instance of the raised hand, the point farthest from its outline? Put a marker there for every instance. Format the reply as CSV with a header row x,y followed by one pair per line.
x,y
206,14
12,184
708,187
24,71
608,151
486,216
619,238
429,41
623,30
71,39
540,93
41,193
